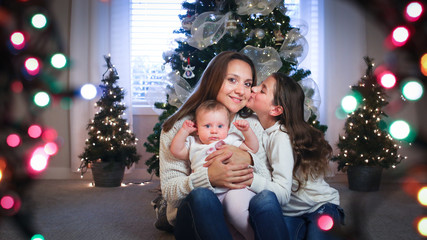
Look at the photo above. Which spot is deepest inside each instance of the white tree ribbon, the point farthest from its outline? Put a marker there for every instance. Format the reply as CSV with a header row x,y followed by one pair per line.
x,y
263,7
312,98
266,60
179,89
294,48
207,29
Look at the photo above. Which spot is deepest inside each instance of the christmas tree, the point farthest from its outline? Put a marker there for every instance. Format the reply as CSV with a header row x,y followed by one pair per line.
x,y
366,141
110,139
260,29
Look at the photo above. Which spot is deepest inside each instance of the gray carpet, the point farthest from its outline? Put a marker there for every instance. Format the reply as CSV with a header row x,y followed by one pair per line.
x,y
71,210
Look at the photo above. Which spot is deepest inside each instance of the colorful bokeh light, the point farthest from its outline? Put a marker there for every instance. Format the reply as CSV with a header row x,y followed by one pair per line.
x,y
39,160
50,148
34,131
58,60
7,202
423,64
400,36
41,99
413,11
422,226
412,90
32,66
37,237
422,196
325,222
387,79
88,91
18,40
349,103
39,21
400,130
13,140
16,86
49,135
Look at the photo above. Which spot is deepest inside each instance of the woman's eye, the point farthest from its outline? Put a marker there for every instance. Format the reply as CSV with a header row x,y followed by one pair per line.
x,y
232,80
248,84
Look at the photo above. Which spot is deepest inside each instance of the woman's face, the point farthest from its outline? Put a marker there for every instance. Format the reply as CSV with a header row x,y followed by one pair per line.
x,y
262,97
236,87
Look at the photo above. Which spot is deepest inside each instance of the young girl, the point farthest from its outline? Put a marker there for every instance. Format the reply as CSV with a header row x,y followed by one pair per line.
x,y
212,123
299,156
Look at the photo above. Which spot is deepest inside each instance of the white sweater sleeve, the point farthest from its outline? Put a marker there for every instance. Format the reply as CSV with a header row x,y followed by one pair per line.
x,y
280,156
176,179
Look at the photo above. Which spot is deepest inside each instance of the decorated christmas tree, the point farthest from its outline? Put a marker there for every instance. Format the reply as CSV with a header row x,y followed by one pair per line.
x,y
366,141
259,28
110,139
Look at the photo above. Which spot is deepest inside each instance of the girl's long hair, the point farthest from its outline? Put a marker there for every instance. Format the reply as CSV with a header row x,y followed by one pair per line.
x,y
209,85
311,151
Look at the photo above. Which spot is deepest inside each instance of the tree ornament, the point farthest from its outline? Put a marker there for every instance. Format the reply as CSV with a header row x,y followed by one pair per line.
x,y
188,73
187,22
259,33
278,37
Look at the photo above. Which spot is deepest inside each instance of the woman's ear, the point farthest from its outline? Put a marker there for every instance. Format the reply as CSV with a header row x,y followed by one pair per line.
x,y
276,110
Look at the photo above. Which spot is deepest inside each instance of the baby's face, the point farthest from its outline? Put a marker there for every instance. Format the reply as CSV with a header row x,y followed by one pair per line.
x,y
212,126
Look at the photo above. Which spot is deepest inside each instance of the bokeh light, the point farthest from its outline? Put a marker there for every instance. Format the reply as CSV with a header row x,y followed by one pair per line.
x,y
413,11
39,160
387,79
49,135
422,226
50,148
399,129
16,86
88,91
32,65
423,63
399,36
34,131
422,196
41,99
39,21
412,90
7,202
13,140
349,103
325,222
18,40
58,60
37,237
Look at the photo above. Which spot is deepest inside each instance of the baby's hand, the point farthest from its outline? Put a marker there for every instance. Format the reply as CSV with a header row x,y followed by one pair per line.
x,y
241,125
189,126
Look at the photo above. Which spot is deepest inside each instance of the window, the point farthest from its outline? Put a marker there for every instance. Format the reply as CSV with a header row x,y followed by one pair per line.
x,y
151,33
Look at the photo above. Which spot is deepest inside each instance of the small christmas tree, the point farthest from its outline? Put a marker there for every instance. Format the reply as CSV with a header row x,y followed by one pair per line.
x,y
110,139
366,141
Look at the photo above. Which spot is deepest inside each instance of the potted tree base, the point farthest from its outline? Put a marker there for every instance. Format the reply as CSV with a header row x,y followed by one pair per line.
x,y
108,174
364,178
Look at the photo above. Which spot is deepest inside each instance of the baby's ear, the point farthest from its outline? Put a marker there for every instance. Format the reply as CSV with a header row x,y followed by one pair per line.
x,y
276,110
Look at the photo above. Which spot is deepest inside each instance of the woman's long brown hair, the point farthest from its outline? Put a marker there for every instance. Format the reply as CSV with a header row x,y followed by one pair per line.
x,y
209,85
311,150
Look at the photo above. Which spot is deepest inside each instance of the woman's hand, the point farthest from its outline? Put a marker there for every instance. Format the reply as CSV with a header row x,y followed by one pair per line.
x,y
228,154
231,176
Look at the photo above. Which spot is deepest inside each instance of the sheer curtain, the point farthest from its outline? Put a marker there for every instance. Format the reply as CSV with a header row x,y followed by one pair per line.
x,y
97,28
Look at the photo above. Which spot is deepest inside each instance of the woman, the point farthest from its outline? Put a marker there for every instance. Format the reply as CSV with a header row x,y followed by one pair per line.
x,y
193,208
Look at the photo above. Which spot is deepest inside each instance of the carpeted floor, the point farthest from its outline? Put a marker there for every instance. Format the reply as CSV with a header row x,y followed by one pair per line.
x,y
72,210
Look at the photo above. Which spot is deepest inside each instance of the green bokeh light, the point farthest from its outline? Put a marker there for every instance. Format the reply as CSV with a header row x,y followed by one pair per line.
x,y
58,60
41,99
39,21
412,90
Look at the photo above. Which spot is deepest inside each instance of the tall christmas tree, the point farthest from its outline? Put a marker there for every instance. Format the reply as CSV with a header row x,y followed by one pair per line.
x,y
110,139
259,28
366,141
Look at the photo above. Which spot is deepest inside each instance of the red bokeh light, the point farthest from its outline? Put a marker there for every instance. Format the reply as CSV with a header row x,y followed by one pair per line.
x,y
13,140
34,131
325,222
